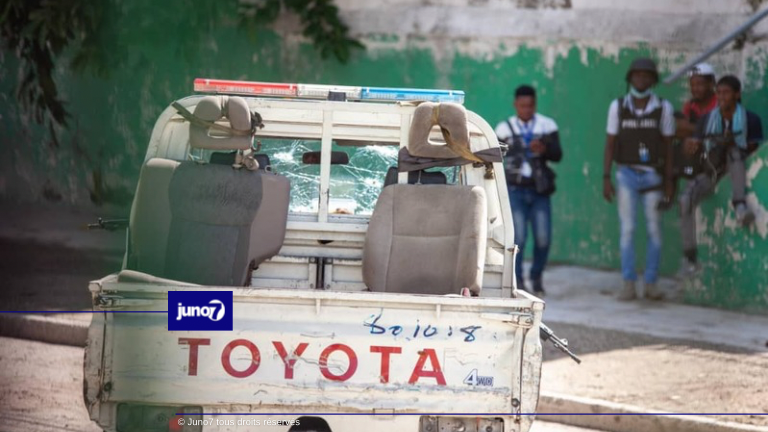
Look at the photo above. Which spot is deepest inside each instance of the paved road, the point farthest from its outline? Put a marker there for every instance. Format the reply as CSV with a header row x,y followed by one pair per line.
x,y
41,390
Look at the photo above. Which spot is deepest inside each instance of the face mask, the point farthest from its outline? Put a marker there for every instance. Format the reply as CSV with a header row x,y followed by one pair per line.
x,y
638,94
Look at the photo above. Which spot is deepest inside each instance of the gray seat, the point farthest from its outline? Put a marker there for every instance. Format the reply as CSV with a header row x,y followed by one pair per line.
x,y
426,239
429,238
207,224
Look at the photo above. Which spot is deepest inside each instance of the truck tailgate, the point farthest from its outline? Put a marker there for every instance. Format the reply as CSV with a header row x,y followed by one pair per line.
x,y
346,351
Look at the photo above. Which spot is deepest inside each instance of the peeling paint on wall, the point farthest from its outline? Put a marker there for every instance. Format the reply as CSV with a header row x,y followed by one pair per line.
x,y
761,215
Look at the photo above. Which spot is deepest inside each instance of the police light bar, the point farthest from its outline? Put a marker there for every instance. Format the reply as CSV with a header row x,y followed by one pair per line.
x,y
245,87
319,91
403,94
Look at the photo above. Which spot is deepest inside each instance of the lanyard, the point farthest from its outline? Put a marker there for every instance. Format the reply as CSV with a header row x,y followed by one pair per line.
x,y
527,131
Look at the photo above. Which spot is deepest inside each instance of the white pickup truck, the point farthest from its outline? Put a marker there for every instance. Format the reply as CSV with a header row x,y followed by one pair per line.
x,y
367,293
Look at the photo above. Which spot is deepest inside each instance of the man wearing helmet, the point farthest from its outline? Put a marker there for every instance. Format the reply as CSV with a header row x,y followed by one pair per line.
x,y
639,139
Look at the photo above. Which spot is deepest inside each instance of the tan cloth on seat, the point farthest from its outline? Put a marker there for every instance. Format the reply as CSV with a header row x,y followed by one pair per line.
x,y
452,119
426,239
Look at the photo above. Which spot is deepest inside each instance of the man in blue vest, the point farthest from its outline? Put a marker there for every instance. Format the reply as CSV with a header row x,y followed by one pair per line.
x,y
640,130
533,141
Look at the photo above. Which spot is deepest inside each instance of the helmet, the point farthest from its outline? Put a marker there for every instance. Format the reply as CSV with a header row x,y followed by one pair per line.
x,y
702,69
643,64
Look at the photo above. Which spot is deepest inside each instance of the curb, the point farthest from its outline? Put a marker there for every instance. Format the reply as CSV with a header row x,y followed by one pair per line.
x,y
662,422
55,330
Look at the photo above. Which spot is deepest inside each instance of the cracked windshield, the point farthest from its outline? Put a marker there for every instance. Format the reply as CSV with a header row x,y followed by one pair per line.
x,y
356,180
355,185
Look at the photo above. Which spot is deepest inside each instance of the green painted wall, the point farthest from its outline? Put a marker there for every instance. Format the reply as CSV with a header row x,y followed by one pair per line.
x,y
160,54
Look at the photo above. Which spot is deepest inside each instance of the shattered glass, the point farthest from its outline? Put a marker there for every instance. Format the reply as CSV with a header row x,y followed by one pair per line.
x,y
285,157
354,187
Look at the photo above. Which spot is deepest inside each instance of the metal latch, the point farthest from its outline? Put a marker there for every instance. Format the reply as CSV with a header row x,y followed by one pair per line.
x,y
114,301
523,319
107,301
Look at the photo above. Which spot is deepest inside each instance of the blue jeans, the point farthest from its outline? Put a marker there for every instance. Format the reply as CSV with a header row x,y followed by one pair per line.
x,y
529,206
630,183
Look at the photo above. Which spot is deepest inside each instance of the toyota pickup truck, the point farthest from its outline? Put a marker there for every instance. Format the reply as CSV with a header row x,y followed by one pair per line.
x,y
316,258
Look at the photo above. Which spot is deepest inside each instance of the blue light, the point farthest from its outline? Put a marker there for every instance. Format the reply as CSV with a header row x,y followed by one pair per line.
x,y
402,94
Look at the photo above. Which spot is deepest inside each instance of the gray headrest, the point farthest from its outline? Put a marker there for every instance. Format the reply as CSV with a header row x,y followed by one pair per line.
x,y
452,119
214,108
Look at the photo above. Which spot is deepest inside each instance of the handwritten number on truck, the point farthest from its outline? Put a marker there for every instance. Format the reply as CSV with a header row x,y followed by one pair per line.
x,y
427,331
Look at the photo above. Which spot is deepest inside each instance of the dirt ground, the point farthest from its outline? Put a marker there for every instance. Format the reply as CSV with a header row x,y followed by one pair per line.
x,y
41,388
659,374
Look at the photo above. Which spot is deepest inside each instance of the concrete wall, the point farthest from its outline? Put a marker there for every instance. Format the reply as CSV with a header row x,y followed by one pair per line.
x,y
574,51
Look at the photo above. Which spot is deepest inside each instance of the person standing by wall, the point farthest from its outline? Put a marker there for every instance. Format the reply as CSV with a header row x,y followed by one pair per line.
x,y
640,130
533,141
725,136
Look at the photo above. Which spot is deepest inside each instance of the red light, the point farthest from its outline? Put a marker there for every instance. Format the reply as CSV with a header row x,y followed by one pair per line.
x,y
244,87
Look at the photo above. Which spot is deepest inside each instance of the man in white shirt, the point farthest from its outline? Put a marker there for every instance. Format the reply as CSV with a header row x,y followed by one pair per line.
x,y
639,139
533,140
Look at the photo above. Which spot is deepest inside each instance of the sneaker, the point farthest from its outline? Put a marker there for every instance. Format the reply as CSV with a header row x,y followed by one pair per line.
x,y
538,288
744,215
628,292
652,292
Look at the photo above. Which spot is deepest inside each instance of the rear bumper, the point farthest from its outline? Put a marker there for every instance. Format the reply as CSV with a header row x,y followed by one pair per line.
x,y
242,418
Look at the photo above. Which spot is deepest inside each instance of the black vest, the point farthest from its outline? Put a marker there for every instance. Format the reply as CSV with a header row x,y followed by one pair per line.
x,y
542,178
640,141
